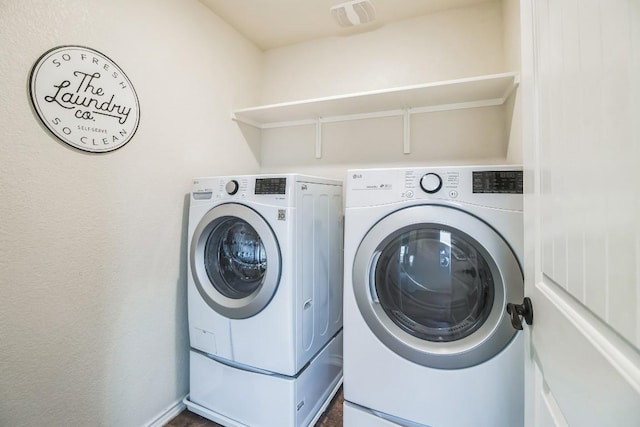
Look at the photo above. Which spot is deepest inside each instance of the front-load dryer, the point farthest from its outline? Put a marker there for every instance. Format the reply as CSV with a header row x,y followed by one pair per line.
x,y
264,297
432,257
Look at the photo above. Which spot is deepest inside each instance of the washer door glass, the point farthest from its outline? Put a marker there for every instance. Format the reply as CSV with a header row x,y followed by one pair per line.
x,y
235,260
432,283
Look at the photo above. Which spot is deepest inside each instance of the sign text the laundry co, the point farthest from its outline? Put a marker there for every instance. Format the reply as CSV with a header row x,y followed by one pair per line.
x,y
84,99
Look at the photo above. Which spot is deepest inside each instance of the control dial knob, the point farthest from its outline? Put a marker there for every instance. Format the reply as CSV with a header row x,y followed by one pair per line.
x,y
431,183
232,187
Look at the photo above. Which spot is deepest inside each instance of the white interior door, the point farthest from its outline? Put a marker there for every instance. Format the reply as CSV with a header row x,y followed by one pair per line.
x,y
581,97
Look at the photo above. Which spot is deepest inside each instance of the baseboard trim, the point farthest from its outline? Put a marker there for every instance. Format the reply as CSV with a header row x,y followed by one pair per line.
x,y
168,414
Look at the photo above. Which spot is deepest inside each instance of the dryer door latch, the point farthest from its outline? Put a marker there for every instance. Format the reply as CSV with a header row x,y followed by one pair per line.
x,y
518,311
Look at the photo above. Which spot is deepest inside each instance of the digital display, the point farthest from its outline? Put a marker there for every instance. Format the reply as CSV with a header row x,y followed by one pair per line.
x,y
271,186
501,182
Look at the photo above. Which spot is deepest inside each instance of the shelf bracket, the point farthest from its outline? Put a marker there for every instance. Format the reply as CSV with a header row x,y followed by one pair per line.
x,y
318,139
406,119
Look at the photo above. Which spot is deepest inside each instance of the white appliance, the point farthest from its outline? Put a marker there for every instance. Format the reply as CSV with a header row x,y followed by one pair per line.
x,y
432,257
264,298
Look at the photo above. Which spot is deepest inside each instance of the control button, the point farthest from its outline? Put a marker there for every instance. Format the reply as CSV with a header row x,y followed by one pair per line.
x,y
453,194
232,187
431,183
408,194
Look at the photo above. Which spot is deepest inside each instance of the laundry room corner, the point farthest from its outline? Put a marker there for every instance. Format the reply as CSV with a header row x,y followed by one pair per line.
x,y
93,254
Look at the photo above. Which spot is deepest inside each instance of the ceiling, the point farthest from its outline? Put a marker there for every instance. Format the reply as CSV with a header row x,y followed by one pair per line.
x,y
276,23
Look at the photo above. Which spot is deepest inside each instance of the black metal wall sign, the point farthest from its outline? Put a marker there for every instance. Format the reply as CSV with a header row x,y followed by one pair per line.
x,y
84,99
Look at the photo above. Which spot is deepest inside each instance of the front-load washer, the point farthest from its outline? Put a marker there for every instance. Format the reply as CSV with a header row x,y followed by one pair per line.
x,y
264,297
432,257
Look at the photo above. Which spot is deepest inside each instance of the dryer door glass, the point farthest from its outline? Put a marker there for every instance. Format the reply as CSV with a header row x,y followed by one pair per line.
x,y
434,284
235,258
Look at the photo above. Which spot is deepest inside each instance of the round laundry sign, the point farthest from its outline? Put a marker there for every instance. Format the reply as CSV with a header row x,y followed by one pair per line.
x,y
84,99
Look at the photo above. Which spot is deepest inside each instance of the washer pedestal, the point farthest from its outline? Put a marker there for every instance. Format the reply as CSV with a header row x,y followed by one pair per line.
x,y
237,397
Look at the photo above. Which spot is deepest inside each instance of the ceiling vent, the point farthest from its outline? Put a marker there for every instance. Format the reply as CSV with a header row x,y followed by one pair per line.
x,y
352,13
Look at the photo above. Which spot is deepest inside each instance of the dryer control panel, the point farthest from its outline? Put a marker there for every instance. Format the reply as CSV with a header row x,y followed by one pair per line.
x,y
492,186
503,182
431,182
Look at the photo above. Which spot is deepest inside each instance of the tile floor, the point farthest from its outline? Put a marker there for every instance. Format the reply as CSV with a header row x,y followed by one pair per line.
x,y
331,418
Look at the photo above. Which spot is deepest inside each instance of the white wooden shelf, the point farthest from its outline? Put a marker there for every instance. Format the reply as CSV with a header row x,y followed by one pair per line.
x,y
473,92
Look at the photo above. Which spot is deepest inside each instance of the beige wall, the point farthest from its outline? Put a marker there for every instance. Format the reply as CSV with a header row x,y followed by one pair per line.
x,y
511,29
92,254
447,45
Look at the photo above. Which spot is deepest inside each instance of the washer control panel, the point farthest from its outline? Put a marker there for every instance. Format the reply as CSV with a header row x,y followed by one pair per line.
x,y
271,186
232,187
276,190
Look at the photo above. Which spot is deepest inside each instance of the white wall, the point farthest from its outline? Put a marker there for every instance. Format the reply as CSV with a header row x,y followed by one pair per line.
x,y
446,45
93,247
